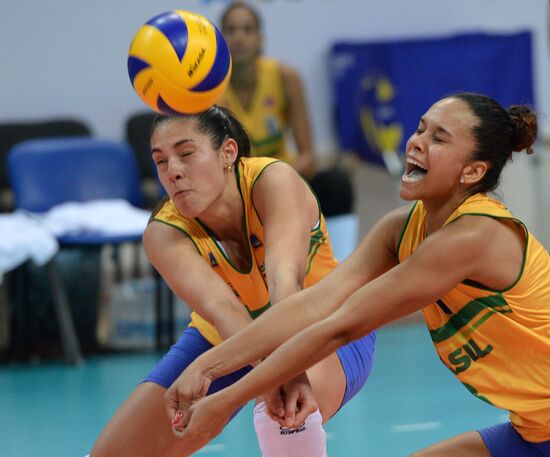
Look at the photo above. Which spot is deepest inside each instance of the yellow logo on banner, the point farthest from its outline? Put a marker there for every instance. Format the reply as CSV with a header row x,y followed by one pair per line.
x,y
382,132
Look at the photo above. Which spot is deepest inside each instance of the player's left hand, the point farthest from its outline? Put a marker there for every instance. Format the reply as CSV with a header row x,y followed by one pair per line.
x,y
299,401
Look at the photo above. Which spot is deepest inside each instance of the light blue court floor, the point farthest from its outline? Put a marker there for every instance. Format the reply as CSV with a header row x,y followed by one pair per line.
x,y
410,401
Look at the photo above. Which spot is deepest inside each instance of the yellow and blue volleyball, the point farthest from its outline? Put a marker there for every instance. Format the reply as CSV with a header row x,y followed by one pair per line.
x,y
179,62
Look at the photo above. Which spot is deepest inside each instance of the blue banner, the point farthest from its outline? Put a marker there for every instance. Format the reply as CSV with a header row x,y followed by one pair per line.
x,y
381,89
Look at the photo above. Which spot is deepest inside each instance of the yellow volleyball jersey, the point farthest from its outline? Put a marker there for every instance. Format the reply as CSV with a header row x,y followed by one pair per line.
x,y
266,118
496,342
249,286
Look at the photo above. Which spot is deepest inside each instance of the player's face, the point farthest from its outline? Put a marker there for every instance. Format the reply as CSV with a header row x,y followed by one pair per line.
x,y
189,169
438,152
242,35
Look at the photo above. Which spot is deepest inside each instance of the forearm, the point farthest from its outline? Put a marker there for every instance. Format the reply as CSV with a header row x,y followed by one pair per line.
x,y
315,343
272,328
362,312
263,335
232,320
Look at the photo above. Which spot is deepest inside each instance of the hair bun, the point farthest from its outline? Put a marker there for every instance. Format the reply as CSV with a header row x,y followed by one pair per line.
x,y
524,122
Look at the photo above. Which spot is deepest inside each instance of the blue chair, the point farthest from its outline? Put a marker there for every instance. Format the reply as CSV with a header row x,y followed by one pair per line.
x,y
12,133
48,172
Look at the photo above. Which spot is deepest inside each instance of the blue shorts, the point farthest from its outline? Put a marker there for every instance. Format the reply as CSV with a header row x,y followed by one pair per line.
x,y
356,359
189,346
503,441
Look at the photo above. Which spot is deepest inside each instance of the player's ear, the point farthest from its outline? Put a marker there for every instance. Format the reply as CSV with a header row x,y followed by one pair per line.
x,y
230,151
474,172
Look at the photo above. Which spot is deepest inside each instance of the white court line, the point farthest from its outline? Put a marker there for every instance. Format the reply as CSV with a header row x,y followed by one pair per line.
x,y
417,427
212,448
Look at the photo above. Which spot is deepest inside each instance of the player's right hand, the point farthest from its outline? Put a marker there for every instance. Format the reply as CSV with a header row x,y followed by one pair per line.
x,y
275,405
189,387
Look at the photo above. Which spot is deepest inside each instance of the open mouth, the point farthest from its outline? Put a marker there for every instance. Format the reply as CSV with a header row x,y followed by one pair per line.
x,y
414,171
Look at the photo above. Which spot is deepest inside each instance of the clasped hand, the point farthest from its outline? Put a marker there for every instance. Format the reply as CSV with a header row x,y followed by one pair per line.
x,y
292,402
198,419
187,389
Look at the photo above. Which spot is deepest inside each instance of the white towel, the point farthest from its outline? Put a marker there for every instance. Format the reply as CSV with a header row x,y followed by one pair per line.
x,y
22,238
114,217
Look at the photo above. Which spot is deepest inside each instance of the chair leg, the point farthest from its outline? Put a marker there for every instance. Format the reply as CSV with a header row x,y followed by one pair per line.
x,y
171,316
22,332
158,309
71,346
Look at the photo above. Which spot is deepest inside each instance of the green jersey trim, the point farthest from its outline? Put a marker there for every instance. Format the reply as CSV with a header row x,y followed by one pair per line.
x,y
472,310
405,228
481,286
257,312
181,230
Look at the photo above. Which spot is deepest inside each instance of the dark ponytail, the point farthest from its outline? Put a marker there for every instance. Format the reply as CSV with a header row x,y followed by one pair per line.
x,y
524,122
498,133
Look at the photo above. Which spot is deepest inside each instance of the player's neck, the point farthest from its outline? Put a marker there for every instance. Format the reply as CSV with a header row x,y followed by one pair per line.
x,y
225,217
437,212
244,75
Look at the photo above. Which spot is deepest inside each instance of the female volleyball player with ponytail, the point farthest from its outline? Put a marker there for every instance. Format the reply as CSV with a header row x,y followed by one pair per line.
x,y
480,277
235,236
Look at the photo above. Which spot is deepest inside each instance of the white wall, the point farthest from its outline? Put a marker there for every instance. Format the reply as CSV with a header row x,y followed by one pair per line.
x,y
68,57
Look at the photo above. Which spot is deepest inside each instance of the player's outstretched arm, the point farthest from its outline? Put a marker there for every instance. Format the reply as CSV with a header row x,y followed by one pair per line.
x,y
407,287
374,256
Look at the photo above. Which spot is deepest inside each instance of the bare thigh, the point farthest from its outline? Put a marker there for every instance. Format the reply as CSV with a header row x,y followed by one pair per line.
x,y
469,444
328,382
141,428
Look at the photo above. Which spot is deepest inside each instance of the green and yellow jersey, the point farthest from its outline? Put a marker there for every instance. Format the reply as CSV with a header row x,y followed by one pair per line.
x,y
266,118
249,286
496,342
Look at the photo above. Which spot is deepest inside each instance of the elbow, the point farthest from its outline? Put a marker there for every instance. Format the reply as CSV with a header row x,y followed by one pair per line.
x,y
346,330
347,336
284,282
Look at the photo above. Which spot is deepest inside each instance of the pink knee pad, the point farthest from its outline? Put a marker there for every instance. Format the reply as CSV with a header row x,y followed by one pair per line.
x,y
309,440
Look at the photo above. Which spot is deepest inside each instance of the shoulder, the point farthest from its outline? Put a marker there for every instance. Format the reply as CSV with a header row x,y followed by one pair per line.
x,y
487,235
399,215
469,229
280,185
160,236
388,229
469,240
270,64
277,175
475,228
291,77
252,168
394,222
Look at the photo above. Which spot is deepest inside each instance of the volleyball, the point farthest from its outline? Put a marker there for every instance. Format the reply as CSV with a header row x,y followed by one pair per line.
x,y
179,63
